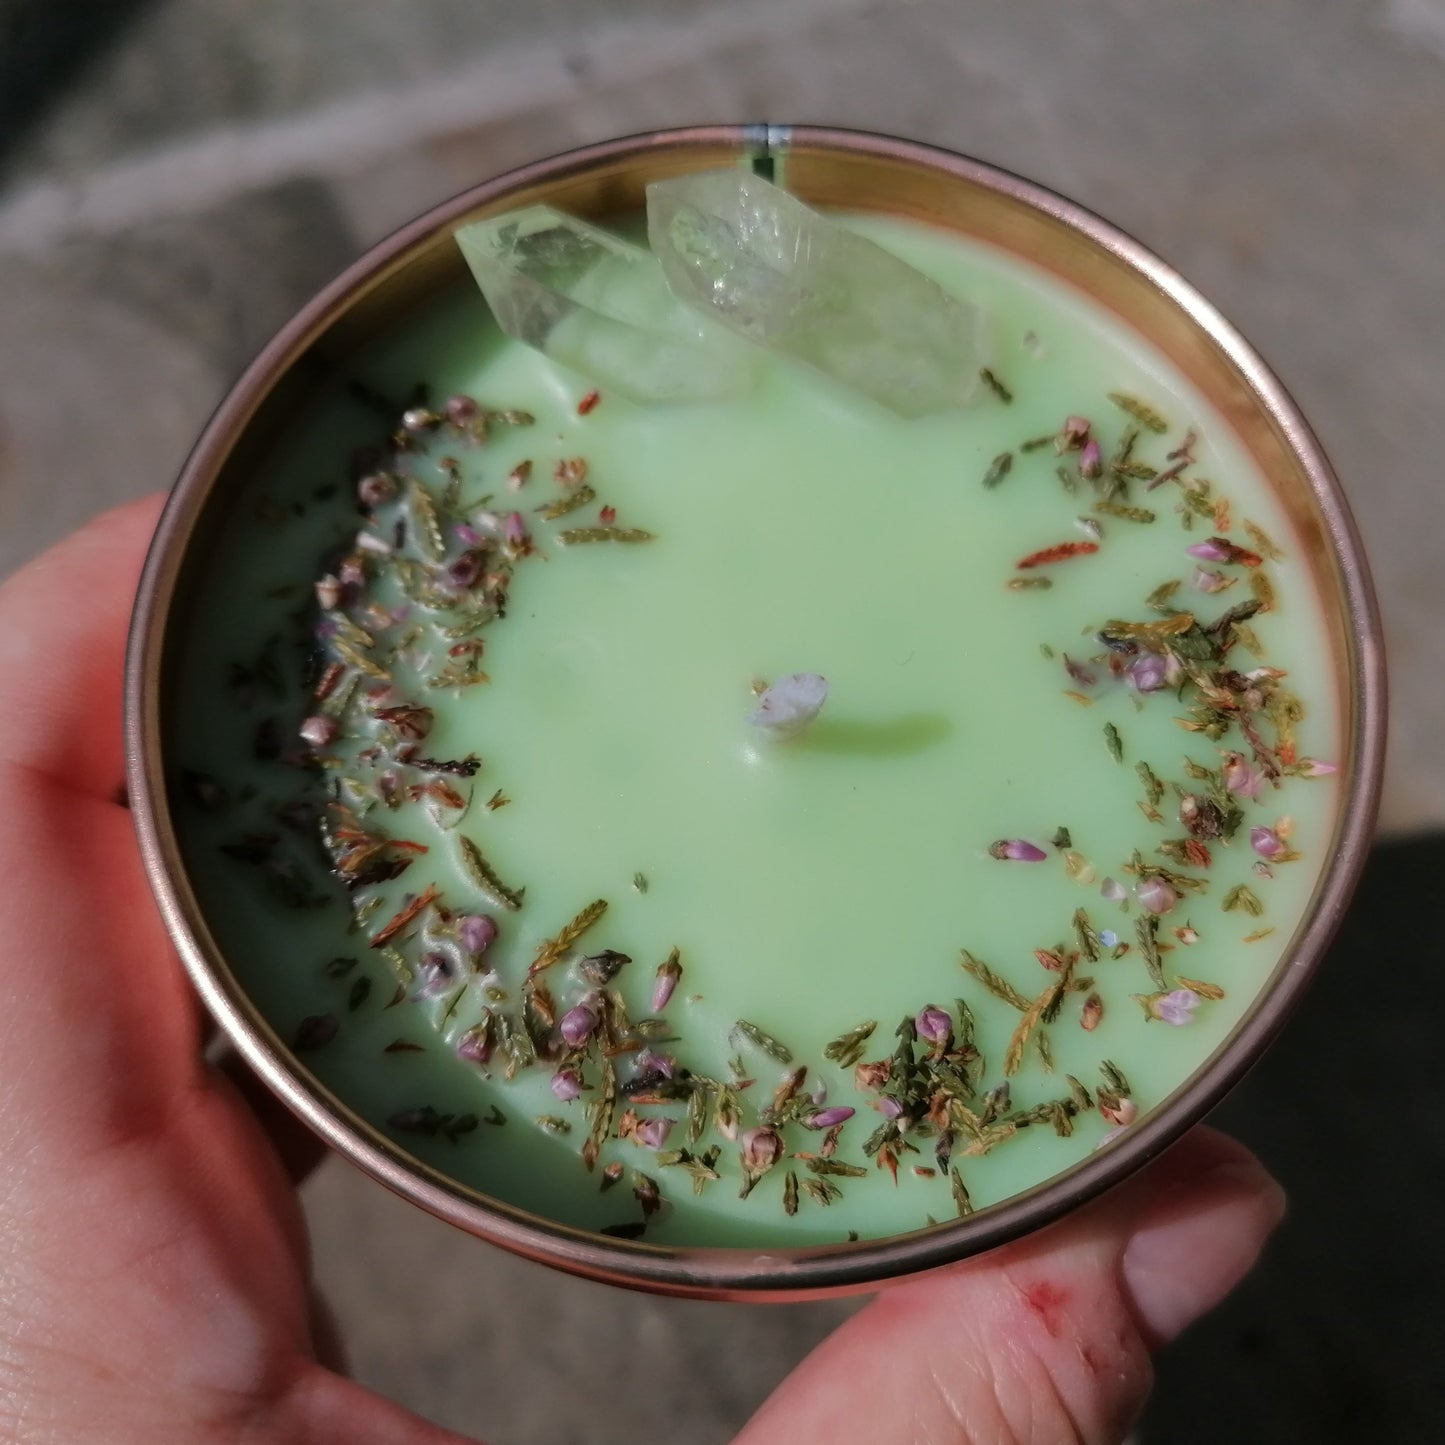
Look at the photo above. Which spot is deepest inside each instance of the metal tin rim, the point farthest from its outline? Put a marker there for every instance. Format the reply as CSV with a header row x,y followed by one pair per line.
x,y
742,1273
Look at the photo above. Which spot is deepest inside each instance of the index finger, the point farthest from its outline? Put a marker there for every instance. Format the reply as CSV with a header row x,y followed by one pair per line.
x,y
62,651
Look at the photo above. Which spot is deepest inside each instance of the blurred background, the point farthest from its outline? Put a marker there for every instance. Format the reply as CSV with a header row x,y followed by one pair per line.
x,y
176,176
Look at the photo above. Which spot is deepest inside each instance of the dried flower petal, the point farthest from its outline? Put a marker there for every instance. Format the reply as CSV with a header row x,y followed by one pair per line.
x,y
1016,850
1267,842
1112,891
790,704
1075,433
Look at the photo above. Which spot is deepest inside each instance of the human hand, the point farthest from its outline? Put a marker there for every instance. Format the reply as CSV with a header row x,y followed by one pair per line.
x,y
154,1275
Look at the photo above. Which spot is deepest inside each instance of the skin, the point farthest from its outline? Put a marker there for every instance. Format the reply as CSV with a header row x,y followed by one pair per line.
x,y
154,1274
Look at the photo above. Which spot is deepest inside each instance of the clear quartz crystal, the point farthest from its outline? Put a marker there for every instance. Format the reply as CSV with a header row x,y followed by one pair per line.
x,y
601,306
744,251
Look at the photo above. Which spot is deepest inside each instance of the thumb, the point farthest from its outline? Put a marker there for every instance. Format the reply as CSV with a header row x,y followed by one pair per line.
x,y
1046,1340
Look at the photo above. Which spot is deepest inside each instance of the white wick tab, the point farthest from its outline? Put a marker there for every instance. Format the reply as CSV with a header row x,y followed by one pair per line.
x,y
789,706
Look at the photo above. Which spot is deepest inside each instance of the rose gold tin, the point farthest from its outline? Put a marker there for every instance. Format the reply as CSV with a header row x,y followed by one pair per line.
x,y
826,168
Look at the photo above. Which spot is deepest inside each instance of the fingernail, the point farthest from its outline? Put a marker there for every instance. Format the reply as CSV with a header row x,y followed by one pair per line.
x,y
1196,1243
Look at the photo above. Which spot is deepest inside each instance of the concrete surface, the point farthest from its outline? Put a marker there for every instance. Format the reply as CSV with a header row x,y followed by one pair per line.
x,y
193,169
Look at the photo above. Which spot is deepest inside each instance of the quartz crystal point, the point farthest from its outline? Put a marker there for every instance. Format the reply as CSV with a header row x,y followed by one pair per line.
x,y
601,306
744,251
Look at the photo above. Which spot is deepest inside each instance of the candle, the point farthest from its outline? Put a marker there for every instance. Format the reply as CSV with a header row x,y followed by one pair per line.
x,y
527,883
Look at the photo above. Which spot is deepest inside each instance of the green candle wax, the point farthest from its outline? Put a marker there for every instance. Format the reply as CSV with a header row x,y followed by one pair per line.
x,y
980,713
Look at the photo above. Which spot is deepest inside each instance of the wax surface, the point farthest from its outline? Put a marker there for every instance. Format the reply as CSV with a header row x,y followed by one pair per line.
x,y
808,886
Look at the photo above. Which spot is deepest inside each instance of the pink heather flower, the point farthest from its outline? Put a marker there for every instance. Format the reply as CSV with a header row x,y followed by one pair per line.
x,y
578,1025
435,973
1176,1007
1314,768
1156,895
1266,842
889,1107
664,984
376,490
477,932
1207,580
933,1026
516,530
475,1046
464,572
1091,460
1075,432
1121,1112
1016,850
652,1132
469,534
762,1148
790,705
460,409
827,1118
566,1085
1241,777
1216,549
1149,671
318,730
652,1065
